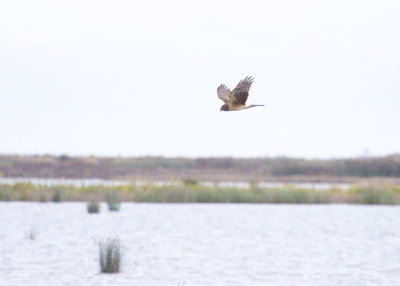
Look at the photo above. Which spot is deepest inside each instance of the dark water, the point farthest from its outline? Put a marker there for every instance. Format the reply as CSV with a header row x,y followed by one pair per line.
x,y
202,244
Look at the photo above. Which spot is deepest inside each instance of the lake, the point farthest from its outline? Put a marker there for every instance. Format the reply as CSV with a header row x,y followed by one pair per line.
x,y
201,244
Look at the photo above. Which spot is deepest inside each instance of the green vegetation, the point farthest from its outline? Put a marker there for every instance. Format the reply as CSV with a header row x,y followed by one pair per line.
x,y
93,207
113,202
197,193
190,182
375,196
56,198
110,256
7,194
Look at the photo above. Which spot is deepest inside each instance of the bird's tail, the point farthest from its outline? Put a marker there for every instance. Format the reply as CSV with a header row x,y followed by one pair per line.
x,y
254,105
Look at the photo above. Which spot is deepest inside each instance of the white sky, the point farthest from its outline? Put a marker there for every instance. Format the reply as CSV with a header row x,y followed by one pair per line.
x,y
136,78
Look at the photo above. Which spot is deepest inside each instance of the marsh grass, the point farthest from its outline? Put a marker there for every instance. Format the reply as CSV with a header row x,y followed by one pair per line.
x,y
110,256
43,198
113,201
24,189
190,182
32,234
57,197
93,207
196,193
375,196
7,194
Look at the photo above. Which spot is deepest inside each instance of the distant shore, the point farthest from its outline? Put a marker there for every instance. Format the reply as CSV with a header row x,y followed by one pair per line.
x,y
277,169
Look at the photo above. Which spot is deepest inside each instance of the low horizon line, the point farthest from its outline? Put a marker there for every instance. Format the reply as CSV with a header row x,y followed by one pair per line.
x,y
69,155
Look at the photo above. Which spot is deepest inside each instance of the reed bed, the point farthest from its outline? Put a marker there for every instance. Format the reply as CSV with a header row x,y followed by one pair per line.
x,y
196,193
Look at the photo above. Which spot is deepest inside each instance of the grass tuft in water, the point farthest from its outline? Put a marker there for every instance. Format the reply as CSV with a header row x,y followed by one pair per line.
x,y
113,202
93,207
110,256
32,234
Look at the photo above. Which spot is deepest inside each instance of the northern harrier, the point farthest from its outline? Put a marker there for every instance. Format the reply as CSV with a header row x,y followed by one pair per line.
x,y
236,99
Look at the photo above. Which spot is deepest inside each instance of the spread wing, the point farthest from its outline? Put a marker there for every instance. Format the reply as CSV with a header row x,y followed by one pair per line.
x,y
241,92
223,93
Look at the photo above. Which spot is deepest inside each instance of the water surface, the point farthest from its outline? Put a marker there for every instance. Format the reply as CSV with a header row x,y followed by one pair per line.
x,y
202,244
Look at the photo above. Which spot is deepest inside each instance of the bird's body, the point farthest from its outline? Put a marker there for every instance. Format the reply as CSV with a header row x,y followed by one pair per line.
x,y
236,99
235,107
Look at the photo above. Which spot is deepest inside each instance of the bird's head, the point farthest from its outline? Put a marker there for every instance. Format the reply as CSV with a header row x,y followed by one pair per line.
x,y
224,107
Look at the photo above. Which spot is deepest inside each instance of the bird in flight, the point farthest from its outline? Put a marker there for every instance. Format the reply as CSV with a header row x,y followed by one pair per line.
x,y
236,99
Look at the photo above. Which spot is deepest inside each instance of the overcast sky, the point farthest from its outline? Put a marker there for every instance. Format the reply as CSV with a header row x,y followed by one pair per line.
x,y
134,78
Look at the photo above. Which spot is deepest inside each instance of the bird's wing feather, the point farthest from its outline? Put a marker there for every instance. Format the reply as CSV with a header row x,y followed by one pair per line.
x,y
223,93
241,92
